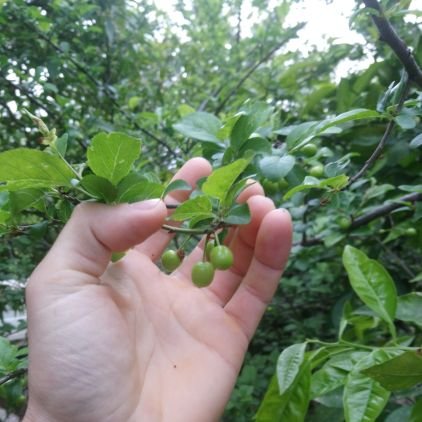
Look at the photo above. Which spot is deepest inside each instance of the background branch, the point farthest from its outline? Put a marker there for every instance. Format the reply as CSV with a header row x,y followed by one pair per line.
x,y
370,216
389,35
251,70
13,375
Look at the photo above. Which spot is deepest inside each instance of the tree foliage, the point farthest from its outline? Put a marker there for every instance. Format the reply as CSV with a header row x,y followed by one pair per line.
x,y
119,94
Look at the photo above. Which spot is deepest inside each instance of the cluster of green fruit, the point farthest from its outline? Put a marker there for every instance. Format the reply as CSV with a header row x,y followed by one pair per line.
x,y
218,257
317,169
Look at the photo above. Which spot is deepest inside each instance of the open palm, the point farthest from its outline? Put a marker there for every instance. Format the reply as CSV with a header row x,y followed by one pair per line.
x,y
126,342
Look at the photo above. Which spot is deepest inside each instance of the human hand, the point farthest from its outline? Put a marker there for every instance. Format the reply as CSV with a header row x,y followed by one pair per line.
x,y
126,342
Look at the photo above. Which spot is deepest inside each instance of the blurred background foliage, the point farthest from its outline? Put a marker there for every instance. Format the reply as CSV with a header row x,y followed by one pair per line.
x,y
86,66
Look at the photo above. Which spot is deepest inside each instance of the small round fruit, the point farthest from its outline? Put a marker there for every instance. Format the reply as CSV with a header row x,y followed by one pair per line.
x,y
411,232
170,260
221,257
117,256
283,184
210,246
317,170
202,274
344,223
309,150
270,187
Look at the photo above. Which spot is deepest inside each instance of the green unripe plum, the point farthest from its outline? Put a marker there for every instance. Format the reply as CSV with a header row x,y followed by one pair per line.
x,y
117,256
202,274
411,232
317,170
283,184
270,187
344,223
221,257
170,260
309,150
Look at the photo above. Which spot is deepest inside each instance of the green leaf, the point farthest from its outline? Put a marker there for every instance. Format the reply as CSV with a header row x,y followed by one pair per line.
x,y
238,214
260,111
336,182
176,185
200,205
400,415
220,181
411,188
327,379
112,155
61,144
4,216
401,372
8,356
24,199
275,167
135,188
416,142
416,411
257,145
308,183
185,109
406,119
99,188
243,128
409,308
235,190
348,116
290,406
24,168
305,132
372,283
199,125
363,399
288,365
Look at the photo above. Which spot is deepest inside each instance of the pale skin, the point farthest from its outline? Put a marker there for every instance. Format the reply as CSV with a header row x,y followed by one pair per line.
x,y
126,342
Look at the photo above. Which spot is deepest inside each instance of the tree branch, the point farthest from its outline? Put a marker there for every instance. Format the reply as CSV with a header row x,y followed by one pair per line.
x,y
390,36
371,215
251,70
12,375
385,209
378,150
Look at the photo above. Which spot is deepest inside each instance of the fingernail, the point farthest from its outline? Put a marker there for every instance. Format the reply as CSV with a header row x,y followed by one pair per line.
x,y
146,205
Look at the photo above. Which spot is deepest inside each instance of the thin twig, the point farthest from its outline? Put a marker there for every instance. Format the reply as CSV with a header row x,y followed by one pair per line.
x,y
378,150
252,69
174,229
390,36
399,261
13,375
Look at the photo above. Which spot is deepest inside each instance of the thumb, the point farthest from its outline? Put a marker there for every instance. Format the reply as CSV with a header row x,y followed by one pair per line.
x,y
94,231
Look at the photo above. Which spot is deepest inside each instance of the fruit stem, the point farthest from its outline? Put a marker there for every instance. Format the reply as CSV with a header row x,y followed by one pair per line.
x,y
174,229
204,254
